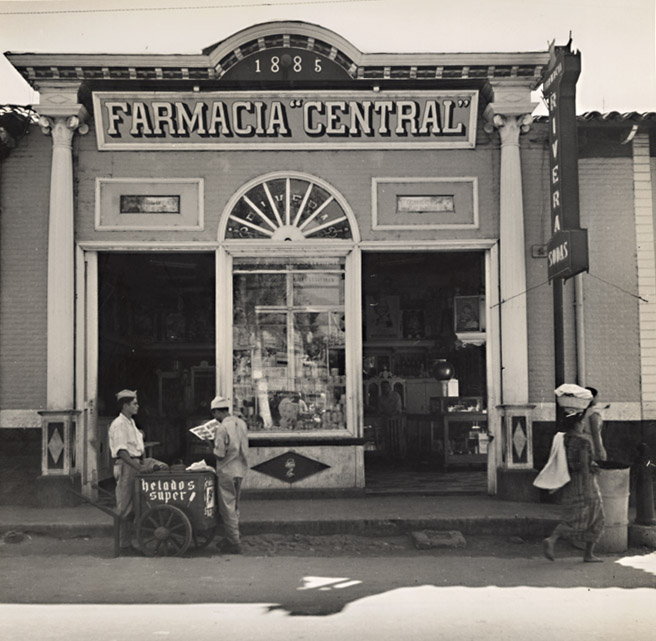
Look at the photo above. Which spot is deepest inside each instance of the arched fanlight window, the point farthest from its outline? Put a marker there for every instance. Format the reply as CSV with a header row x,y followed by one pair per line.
x,y
288,207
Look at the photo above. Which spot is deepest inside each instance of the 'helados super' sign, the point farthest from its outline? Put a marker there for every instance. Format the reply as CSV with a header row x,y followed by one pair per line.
x,y
285,120
567,251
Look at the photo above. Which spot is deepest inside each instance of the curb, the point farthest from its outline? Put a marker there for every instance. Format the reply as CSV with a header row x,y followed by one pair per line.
x,y
524,527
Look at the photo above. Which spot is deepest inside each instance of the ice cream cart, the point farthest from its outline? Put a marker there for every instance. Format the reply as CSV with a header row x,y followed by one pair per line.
x,y
174,510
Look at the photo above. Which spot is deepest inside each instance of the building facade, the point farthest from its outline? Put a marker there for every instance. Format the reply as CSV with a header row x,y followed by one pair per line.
x,y
350,246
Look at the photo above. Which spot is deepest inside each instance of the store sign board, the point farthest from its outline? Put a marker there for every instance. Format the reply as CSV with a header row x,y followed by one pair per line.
x,y
567,250
567,253
286,120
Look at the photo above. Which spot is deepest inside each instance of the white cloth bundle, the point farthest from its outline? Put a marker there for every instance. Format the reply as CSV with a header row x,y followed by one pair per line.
x,y
573,398
555,473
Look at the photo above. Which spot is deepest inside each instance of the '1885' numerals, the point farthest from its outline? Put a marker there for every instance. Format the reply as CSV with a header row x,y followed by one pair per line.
x,y
276,63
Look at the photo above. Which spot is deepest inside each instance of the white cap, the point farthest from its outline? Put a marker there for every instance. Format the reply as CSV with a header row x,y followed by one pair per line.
x,y
126,393
220,403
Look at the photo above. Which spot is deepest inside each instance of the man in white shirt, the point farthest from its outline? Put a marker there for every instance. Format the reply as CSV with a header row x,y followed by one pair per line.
x,y
126,447
231,451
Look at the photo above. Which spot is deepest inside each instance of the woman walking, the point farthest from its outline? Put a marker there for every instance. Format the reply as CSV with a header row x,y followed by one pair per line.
x,y
583,517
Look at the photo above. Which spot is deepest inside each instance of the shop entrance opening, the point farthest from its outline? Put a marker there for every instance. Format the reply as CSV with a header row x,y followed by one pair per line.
x,y
156,334
424,371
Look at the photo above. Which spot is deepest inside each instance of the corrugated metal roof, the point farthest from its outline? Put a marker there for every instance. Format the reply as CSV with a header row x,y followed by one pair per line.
x,y
628,117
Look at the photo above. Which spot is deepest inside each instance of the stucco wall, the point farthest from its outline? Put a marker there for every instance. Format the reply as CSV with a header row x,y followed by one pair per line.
x,y
349,172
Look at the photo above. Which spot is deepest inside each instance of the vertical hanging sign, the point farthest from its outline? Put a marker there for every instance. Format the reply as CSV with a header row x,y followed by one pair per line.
x,y
567,252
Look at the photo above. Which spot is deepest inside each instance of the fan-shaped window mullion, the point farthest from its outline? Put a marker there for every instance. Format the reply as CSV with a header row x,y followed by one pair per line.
x,y
267,211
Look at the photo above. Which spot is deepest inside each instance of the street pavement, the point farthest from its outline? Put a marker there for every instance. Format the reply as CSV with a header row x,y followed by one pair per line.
x,y
324,569
423,597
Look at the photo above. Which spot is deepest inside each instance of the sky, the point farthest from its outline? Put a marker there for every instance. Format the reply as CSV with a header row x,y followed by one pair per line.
x,y
616,38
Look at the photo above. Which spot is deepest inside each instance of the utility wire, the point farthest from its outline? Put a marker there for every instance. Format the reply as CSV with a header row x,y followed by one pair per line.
x,y
505,300
530,289
644,300
238,5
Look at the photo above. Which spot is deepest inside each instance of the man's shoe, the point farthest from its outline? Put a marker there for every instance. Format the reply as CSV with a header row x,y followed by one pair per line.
x,y
226,547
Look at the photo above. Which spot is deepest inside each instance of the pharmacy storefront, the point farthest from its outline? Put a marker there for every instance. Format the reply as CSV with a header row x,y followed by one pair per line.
x,y
322,235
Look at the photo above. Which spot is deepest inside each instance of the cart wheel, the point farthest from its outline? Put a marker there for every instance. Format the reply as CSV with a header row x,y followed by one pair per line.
x,y
202,538
164,530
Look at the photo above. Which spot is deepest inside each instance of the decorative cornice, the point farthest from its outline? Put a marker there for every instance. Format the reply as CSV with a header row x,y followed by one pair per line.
x,y
218,59
156,71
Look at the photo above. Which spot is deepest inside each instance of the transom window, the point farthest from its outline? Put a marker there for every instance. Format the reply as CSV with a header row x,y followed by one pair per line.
x,y
287,208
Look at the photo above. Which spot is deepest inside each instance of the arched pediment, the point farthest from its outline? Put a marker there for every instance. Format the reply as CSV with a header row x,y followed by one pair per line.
x,y
234,56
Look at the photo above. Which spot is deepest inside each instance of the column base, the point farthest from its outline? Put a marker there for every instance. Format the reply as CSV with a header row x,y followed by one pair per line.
x,y
517,485
54,491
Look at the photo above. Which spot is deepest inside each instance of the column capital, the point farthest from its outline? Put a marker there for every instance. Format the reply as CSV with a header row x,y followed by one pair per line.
x,y
511,108
62,128
60,112
510,127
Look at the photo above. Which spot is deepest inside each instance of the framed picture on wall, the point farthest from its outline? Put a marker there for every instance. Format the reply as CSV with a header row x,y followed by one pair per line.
x,y
383,317
468,314
414,324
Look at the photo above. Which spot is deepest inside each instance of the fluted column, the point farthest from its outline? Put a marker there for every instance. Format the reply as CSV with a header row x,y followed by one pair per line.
x,y
61,268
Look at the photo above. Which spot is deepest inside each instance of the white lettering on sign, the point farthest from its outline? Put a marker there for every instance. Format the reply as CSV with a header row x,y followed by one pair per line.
x,y
167,491
558,254
553,76
231,120
554,161
114,118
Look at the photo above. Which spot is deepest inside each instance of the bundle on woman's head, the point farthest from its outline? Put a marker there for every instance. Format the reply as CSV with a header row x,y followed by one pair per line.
x,y
574,399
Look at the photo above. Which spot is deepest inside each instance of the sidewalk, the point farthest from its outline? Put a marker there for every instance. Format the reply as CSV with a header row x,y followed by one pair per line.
x,y
368,516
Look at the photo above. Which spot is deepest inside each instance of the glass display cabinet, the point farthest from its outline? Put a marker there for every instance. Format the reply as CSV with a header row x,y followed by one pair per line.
x,y
289,344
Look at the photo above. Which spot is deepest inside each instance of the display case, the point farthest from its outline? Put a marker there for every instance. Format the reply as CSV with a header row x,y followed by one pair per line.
x,y
289,341
461,439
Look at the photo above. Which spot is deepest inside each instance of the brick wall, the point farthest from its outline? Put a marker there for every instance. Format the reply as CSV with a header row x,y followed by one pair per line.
x,y
611,315
611,307
24,196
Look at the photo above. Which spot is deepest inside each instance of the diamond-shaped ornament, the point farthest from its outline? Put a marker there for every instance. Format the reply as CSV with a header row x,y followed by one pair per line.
x,y
56,445
290,467
519,440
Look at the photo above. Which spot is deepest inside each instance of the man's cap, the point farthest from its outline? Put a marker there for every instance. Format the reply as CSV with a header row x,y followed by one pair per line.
x,y
126,393
219,403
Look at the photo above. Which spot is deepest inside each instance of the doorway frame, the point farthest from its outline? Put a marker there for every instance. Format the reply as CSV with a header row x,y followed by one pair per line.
x,y
89,440
490,250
